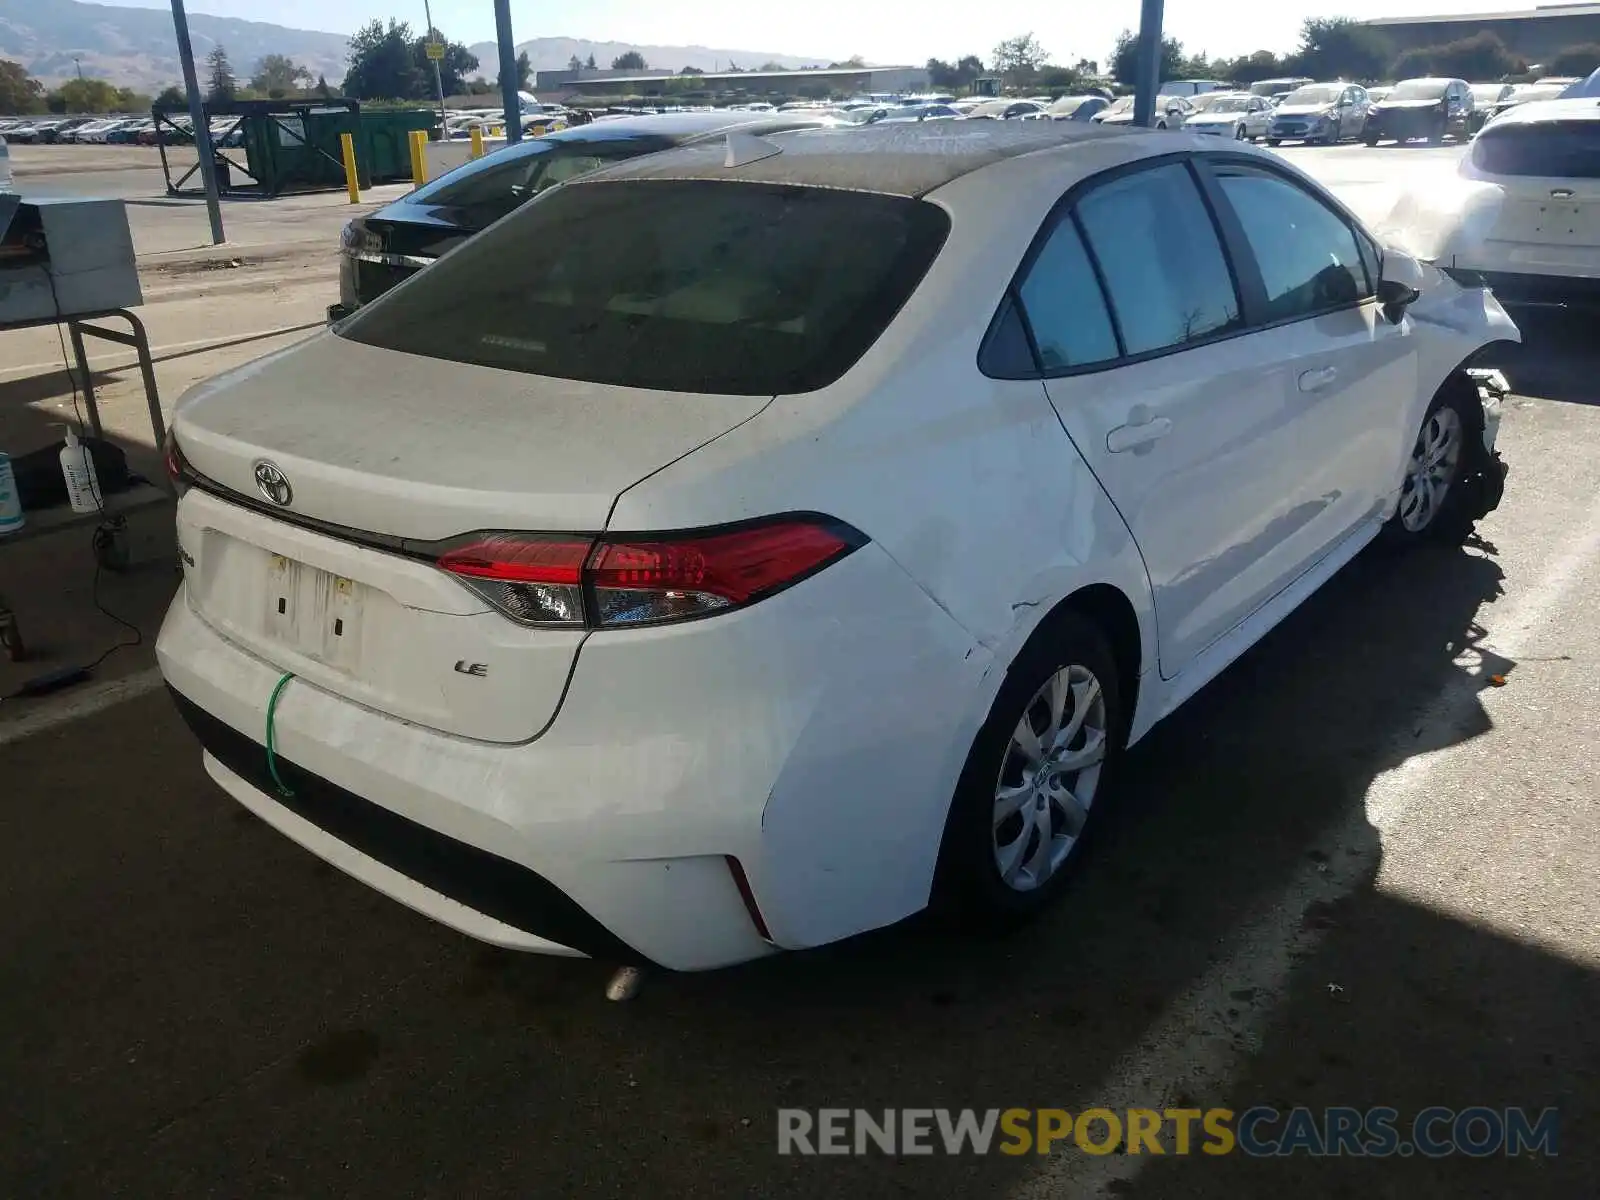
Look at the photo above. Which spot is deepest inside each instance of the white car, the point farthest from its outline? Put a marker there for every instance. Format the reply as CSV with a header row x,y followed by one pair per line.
x,y
1008,110
1238,115
745,545
1524,212
1171,112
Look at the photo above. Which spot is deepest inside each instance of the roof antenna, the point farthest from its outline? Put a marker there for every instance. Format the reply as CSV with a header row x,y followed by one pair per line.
x,y
746,148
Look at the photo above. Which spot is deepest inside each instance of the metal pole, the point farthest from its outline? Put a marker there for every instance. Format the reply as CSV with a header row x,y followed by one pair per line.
x,y
438,83
1149,81
508,71
202,131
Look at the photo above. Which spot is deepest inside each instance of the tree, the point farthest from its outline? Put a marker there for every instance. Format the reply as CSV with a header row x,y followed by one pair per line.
x,y
172,97
691,71
453,67
87,96
1125,58
221,84
588,64
1581,61
524,72
1086,66
382,66
574,63
1017,58
19,92
277,75
325,89
1482,56
854,63
770,65
1253,68
1059,80
630,61
1341,48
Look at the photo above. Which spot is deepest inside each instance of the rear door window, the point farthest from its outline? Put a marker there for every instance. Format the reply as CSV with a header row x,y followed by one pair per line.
x,y
1158,250
678,285
1064,304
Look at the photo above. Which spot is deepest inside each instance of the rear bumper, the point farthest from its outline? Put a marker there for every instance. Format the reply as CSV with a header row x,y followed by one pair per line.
x,y
1530,272
820,753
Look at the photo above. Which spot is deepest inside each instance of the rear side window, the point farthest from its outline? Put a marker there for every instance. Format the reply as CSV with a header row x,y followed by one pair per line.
x,y
691,286
1158,250
1065,307
1558,149
1309,259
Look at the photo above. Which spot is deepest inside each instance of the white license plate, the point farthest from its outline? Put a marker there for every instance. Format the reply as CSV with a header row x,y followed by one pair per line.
x,y
313,611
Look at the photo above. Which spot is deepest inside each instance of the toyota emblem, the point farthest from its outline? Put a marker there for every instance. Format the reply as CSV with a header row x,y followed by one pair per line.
x,y
273,484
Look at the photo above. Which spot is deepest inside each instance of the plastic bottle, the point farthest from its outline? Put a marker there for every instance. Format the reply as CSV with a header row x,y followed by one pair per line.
x,y
11,518
77,468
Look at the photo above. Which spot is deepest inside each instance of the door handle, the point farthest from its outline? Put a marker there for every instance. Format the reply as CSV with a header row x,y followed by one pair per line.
x,y
1137,433
1315,381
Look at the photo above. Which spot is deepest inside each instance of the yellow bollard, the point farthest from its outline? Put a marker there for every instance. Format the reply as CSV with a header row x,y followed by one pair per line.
x,y
348,146
419,168
477,142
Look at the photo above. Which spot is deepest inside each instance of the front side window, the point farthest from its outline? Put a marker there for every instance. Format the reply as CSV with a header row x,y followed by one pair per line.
x,y
1163,264
1065,308
1307,253
677,285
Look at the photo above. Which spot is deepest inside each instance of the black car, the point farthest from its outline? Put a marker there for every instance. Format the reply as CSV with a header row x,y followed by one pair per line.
x,y
384,248
1421,108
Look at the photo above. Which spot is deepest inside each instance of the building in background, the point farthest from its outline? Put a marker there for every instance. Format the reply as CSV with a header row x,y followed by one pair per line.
x,y
1535,34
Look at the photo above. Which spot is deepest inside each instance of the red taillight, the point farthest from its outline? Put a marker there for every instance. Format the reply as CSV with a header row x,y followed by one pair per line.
x,y
555,580
177,466
534,580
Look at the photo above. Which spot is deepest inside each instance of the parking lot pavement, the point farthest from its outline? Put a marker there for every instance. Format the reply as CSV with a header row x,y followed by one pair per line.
x,y
1355,870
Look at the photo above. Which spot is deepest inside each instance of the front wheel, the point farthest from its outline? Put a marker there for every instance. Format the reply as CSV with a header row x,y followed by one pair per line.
x,y
1274,141
1033,776
1371,140
1436,503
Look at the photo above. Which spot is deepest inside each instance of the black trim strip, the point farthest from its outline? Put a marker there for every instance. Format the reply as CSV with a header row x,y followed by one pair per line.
x,y
494,886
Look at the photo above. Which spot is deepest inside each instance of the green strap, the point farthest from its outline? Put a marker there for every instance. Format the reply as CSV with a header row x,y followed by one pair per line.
x,y
272,735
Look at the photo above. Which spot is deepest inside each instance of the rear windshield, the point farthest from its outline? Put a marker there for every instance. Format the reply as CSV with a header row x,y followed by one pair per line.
x,y
681,285
493,186
1559,149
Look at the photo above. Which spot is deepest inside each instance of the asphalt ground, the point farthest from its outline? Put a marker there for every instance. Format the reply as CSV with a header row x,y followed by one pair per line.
x,y
1358,870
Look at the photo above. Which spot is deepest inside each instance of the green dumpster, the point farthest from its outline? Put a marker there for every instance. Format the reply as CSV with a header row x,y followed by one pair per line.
x,y
383,145
297,147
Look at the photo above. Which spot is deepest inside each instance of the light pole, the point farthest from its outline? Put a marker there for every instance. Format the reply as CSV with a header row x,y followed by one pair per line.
x,y
197,115
78,62
438,82
1148,83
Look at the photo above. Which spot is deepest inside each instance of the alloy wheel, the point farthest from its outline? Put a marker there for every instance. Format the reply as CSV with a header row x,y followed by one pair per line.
x,y
1432,469
1048,778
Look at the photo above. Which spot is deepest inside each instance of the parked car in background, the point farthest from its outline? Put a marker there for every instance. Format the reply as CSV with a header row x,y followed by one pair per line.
x,y
1276,89
1320,112
1192,87
810,537
1522,93
1375,94
1007,110
922,112
6,177
30,132
1077,108
128,134
1170,112
387,247
1238,115
1431,109
1486,100
1524,213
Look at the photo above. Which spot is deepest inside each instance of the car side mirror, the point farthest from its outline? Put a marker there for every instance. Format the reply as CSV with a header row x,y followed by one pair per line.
x,y
1400,281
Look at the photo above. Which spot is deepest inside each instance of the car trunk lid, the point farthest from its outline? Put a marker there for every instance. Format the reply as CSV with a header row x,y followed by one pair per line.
x,y
312,538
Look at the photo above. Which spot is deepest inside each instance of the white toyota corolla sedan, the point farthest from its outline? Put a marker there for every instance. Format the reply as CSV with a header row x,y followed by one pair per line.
x,y
747,546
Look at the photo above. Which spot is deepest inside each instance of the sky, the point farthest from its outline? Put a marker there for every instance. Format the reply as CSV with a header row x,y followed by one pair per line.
x,y
888,32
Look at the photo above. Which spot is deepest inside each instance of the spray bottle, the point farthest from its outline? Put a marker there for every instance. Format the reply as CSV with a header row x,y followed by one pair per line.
x,y
77,468
11,518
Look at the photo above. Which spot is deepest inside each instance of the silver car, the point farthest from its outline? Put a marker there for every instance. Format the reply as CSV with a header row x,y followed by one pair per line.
x,y
1238,115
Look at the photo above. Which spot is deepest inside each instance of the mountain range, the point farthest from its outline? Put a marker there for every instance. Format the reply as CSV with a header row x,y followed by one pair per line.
x,y
136,47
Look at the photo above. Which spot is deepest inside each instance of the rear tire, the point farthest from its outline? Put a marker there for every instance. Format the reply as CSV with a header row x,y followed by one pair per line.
x,y
1371,140
1274,141
1033,777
